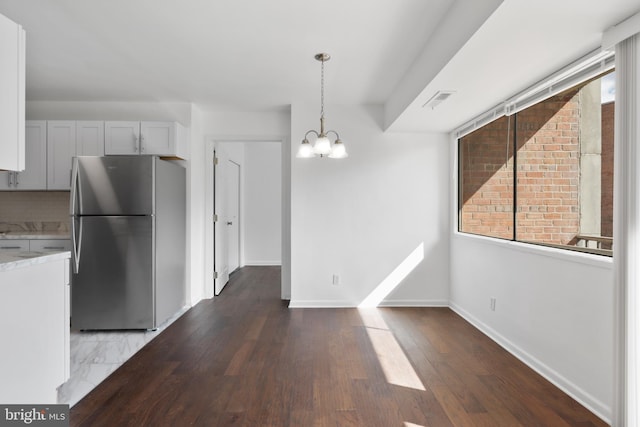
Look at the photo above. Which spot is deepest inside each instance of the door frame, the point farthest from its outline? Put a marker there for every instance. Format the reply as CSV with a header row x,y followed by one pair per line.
x,y
239,219
211,142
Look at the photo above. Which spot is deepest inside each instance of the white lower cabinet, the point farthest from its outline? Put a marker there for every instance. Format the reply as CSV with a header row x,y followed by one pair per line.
x,y
14,245
36,245
34,304
49,245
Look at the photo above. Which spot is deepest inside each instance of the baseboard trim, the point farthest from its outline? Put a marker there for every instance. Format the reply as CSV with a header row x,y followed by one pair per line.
x,y
587,400
351,304
414,303
262,263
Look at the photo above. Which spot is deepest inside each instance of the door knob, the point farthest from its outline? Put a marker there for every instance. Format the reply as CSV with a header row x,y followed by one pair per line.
x,y
229,223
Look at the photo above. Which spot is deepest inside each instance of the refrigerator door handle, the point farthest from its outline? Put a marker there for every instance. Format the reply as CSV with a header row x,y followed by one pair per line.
x,y
76,239
76,222
74,187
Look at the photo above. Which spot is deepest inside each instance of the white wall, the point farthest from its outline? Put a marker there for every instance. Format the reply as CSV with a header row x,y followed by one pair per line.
x,y
196,209
76,110
363,217
262,214
553,310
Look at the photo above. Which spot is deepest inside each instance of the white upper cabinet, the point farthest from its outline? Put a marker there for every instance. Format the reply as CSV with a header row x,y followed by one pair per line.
x,y
121,137
167,139
61,147
12,95
34,176
66,139
163,139
89,138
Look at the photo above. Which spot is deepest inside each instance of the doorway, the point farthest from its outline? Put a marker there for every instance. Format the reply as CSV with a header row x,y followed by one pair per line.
x,y
248,203
233,215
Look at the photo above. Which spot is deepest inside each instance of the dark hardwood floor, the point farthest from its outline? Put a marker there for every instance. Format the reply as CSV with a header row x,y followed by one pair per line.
x,y
245,359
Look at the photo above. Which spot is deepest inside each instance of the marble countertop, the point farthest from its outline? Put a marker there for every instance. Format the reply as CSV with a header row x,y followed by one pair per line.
x,y
10,260
34,230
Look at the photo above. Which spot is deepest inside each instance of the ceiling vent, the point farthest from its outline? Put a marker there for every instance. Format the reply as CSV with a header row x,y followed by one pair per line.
x,y
439,97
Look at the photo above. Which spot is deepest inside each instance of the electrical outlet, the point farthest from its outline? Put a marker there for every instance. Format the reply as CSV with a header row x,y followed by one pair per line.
x,y
336,280
492,304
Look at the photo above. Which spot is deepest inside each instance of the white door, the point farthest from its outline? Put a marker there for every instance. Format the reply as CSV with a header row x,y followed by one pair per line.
x,y
233,211
220,233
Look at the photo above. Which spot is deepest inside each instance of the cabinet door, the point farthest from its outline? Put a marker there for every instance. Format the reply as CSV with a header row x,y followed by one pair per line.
x,y
12,90
49,245
14,245
34,176
157,138
121,138
61,147
89,138
6,180
168,139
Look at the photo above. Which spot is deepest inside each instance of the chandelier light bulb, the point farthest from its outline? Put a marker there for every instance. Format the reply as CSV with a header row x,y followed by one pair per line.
x,y
306,150
338,151
322,146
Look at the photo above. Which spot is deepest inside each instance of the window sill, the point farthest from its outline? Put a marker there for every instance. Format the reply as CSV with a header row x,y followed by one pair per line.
x,y
539,250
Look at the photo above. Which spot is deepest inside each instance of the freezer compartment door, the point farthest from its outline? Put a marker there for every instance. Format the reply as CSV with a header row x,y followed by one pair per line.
x,y
112,185
113,287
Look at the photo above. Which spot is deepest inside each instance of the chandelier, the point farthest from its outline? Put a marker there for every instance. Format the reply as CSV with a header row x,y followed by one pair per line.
x,y
323,146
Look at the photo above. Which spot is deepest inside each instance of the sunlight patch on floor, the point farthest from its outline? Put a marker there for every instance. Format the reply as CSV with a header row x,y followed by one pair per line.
x,y
394,363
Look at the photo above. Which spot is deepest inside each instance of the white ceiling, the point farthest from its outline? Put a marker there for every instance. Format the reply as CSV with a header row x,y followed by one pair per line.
x,y
256,54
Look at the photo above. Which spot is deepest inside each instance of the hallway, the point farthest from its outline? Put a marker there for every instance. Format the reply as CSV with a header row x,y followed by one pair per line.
x,y
246,359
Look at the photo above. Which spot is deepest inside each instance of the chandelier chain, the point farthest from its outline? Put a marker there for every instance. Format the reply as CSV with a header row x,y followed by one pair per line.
x,y
322,89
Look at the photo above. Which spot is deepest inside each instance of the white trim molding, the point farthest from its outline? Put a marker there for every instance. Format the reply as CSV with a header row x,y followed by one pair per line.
x,y
352,304
414,303
626,233
622,31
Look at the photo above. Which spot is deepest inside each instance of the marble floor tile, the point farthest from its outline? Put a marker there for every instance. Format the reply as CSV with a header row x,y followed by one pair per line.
x,y
95,355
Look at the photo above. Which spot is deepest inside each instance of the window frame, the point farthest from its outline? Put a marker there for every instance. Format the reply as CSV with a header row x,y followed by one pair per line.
x,y
591,66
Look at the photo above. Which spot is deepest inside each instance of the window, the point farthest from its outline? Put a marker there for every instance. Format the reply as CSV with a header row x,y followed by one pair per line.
x,y
561,150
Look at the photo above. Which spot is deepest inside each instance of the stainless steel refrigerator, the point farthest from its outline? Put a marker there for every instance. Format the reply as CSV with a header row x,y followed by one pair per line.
x,y
128,216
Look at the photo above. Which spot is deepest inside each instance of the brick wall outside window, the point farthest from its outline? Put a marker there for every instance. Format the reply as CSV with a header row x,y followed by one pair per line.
x,y
548,137
549,170
607,169
486,165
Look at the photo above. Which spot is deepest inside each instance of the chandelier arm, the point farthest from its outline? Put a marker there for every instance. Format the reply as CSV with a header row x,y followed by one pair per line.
x,y
311,131
334,132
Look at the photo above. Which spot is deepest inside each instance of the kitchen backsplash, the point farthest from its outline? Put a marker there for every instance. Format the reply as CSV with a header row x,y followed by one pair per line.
x,y
34,211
